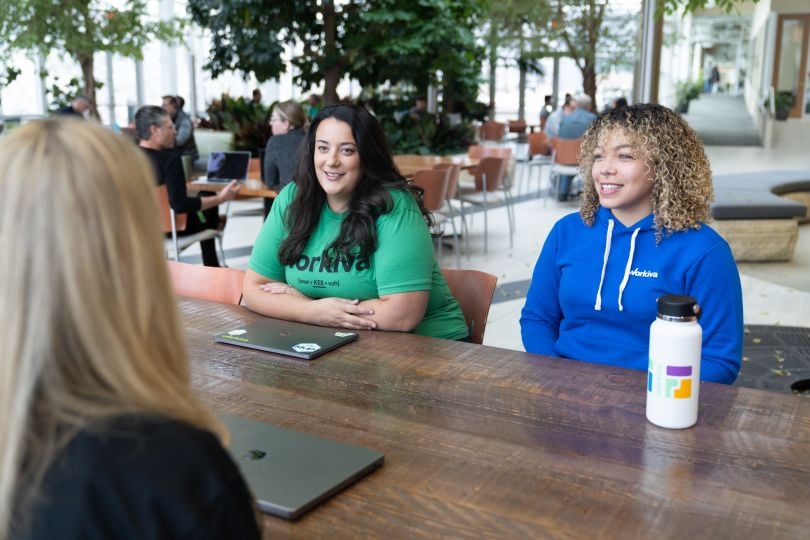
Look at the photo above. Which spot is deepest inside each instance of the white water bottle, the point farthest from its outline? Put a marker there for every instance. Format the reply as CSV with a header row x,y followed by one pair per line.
x,y
673,377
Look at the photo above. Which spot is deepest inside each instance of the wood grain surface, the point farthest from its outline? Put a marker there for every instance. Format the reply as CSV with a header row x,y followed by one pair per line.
x,y
491,443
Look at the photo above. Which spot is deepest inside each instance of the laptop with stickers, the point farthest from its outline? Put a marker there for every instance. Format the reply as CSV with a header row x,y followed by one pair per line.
x,y
227,166
284,337
291,472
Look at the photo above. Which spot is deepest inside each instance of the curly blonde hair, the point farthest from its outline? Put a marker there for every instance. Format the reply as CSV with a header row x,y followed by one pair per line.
x,y
682,180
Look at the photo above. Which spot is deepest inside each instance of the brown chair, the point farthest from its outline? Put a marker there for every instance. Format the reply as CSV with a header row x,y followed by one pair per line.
x,y
473,290
174,223
434,183
255,169
222,285
492,131
564,161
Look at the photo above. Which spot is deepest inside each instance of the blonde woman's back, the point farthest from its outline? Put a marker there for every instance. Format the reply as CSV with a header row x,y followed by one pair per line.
x,y
89,332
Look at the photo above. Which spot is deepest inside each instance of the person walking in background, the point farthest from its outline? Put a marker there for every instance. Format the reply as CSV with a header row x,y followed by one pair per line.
x,y
103,435
648,187
78,107
184,140
156,138
348,244
281,156
715,80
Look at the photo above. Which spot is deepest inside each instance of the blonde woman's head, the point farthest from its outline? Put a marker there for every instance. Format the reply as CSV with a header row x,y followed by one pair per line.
x,y
88,322
290,112
680,172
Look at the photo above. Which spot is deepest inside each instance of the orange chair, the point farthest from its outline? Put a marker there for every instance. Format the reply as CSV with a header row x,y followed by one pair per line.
x,y
473,290
434,184
222,285
564,161
255,169
492,131
174,223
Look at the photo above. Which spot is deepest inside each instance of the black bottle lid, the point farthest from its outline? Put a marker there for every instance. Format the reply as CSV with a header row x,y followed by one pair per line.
x,y
678,306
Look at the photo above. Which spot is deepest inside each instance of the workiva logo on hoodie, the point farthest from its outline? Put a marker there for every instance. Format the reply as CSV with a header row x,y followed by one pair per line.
x,y
635,272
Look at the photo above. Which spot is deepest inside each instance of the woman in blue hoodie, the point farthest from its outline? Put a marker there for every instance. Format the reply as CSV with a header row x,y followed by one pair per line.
x,y
639,234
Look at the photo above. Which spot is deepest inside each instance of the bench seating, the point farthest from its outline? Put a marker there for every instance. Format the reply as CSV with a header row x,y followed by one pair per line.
x,y
758,213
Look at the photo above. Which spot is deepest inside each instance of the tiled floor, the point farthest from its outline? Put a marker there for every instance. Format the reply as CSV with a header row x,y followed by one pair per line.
x,y
767,301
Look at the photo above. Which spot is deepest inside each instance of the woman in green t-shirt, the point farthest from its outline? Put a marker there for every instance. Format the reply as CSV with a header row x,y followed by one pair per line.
x,y
348,243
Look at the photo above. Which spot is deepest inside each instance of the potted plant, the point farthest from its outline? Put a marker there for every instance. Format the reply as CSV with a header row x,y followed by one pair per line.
x,y
782,102
685,92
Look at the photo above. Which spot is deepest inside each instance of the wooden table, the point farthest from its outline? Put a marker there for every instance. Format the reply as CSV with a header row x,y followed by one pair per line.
x,y
491,443
410,163
250,188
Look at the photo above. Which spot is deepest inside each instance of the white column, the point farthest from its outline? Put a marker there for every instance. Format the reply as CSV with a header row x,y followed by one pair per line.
x,y
168,56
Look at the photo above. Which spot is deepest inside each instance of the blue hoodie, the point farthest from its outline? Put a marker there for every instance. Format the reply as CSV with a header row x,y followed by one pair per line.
x,y
594,289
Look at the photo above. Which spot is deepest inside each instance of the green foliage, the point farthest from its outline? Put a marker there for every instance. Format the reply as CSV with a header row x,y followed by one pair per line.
x,y
671,7
687,91
428,135
80,28
62,94
373,41
248,121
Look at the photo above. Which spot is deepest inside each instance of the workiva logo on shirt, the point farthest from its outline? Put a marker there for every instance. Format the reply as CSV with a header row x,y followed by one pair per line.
x,y
635,272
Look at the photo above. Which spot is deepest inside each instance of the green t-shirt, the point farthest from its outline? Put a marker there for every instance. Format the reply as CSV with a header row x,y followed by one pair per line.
x,y
403,262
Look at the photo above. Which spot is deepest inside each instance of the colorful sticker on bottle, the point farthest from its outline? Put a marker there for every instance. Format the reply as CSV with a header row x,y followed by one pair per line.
x,y
670,381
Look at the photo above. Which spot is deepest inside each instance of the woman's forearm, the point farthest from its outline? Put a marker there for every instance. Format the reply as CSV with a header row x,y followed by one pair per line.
x,y
400,312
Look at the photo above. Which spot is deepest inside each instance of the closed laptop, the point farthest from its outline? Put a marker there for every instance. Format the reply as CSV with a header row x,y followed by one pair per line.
x,y
284,337
290,472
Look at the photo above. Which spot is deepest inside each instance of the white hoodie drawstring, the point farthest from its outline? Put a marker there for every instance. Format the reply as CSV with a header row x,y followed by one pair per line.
x,y
627,268
608,237
608,240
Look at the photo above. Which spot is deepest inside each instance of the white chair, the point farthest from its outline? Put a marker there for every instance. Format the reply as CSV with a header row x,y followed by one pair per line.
x,y
174,223
489,188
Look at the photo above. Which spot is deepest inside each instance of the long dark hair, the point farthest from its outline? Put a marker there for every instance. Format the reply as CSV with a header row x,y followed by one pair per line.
x,y
371,197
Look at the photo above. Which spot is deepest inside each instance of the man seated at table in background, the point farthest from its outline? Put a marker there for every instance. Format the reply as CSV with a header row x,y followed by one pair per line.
x,y
156,139
574,126
555,118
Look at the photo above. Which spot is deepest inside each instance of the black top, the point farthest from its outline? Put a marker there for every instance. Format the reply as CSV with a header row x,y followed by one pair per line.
x,y
168,167
143,478
281,158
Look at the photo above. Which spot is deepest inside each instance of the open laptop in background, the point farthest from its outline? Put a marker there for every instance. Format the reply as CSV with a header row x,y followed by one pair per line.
x,y
284,337
290,472
227,166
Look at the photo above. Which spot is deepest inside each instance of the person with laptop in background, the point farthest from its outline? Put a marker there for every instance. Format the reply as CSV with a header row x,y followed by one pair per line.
x,y
287,122
348,245
156,138
102,434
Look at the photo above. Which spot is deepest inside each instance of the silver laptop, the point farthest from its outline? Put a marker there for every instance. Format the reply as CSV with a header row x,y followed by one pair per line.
x,y
290,472
227,166
284,337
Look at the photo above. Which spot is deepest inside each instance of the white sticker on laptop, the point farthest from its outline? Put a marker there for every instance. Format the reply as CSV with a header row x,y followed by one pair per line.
x,y
344,334
237,332
306,347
